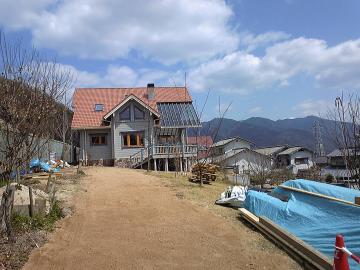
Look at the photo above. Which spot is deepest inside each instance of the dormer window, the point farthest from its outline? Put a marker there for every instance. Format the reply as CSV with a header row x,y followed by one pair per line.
x,y
125,114
99,107
139,114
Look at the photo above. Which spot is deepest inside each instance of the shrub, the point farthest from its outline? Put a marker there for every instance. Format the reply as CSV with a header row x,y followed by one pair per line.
x,y
38,222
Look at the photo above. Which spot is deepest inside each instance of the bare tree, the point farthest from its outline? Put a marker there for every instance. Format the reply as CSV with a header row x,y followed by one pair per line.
x,y
62,124
31,88
346,133
207,155
260,167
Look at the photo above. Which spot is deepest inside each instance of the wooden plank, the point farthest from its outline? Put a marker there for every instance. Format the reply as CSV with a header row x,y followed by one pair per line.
x,y
357,200
318,195
307,256
248,214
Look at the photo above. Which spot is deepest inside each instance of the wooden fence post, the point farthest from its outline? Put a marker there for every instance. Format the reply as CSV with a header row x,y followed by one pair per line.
x,y
31,205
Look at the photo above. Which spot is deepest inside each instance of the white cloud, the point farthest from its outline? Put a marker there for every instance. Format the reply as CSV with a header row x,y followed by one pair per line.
x,y
332,67
313,107
251,41
117,76
168,31
254,110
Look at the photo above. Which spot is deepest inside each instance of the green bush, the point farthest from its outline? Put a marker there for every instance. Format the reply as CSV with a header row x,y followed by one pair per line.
x,y
38,222
2,183
329,178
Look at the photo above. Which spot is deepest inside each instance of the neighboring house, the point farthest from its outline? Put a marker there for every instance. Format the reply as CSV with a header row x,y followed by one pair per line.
x,y
203,143
321,162
135,125
336,166
272,152
224,146
244,160
296,158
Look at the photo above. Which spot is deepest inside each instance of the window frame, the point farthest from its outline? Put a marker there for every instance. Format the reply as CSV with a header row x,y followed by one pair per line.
x,y
123,110
140,110
299,161
138,134
104,143
99,104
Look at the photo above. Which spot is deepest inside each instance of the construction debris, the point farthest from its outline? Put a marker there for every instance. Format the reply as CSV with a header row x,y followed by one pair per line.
x,y
233,196
204,171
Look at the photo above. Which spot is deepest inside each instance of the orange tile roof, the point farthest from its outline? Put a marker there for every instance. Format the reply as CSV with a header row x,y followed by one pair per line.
x,y
84,100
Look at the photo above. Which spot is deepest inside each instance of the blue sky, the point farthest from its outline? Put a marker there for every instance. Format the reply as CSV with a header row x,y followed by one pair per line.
x,y
271,58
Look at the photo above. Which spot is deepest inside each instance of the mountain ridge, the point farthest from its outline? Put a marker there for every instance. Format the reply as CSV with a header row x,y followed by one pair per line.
x,y
264,132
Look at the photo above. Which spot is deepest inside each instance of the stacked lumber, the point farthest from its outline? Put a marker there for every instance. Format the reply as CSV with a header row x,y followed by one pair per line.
x,y
204,171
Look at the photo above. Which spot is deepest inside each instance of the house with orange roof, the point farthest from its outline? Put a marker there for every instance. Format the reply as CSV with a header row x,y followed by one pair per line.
x,y
142,126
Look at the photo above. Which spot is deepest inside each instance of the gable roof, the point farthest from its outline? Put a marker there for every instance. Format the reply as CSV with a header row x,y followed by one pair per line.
x,y
235,152
226,141
270,150
294,149
122,103
84,100
343,151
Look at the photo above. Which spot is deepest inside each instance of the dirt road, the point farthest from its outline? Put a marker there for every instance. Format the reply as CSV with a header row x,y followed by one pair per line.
x,y
128,220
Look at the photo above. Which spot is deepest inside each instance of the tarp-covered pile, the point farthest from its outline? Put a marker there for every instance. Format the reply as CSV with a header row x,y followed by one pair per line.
x,y
313,219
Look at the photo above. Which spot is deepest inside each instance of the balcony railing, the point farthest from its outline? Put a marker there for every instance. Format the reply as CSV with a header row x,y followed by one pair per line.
x,y
164,151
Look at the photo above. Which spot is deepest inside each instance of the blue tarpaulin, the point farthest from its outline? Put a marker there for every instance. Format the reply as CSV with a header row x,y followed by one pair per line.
x,y
36,163
314,220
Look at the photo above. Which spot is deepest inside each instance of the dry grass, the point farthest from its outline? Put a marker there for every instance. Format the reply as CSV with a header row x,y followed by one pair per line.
x,y
205,196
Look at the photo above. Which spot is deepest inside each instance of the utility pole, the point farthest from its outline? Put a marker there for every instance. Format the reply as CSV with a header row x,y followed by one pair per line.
x,y
319,146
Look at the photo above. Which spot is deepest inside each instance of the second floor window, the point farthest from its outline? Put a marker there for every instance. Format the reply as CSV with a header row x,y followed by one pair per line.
x,y
139,114
125,114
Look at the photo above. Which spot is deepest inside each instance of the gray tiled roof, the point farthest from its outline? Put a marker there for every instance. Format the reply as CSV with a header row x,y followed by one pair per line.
x,y
338,153
270,150
291,150
226,141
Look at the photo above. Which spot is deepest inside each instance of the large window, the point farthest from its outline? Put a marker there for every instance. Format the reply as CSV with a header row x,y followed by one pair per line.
x,y
98,139
139,114
133,139
125,114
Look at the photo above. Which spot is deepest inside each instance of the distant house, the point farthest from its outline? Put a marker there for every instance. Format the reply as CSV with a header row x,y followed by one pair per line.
x,y
224,146
295,158
243,161
272,152
336,166
135,125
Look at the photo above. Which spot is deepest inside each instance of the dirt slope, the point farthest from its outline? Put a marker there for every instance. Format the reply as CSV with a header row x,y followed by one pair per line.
x,y
128,220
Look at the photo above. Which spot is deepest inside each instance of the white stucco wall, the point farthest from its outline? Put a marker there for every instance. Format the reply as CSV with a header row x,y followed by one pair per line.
x,y
248,160
301,154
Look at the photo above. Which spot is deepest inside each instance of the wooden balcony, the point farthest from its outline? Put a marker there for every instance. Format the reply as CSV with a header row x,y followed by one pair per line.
x,y
164,151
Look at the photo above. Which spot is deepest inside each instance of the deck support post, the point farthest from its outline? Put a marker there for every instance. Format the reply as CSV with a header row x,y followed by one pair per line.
x,y
181,164
186,165
166,164
155,165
